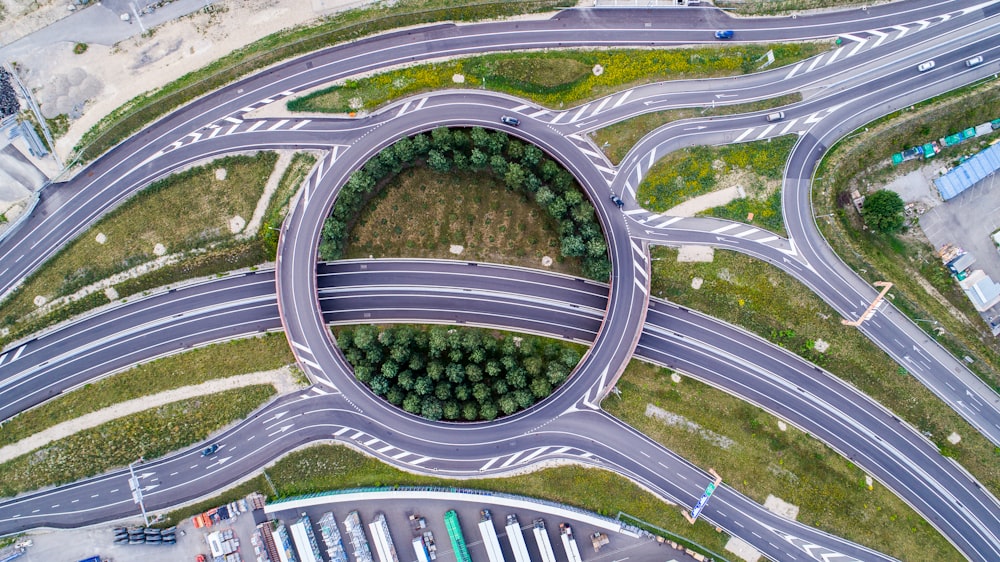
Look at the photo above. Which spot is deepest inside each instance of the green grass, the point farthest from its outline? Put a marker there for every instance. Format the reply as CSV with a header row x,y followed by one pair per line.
x,y
329,467
766,210
269,351
148,434
771,7
618,138
923,288
551,78
768,302
184,212
421,213
695,171
297,171
285,44
757,458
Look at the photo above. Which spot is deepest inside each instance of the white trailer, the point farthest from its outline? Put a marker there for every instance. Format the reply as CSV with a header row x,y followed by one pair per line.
x,y
544,545
569,543
383,541
516,538
490,540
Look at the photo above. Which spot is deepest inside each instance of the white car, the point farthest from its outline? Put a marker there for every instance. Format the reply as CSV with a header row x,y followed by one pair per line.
x,y
974,61
925,66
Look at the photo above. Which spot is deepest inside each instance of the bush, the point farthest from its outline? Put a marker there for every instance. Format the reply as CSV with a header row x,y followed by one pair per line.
x,y
883,211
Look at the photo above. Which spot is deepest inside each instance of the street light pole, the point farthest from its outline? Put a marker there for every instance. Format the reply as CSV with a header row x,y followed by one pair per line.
x,y
137,490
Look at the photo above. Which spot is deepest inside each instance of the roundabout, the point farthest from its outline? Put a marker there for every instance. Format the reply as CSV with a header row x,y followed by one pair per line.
x,y
570,423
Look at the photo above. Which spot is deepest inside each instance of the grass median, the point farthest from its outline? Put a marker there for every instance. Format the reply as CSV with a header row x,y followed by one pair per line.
x,y
262,353
555,79
353,24
760,456
181,227
150,434
771,304
618,138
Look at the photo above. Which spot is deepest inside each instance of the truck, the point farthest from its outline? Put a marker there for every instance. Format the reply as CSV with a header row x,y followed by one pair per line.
x,y
569,543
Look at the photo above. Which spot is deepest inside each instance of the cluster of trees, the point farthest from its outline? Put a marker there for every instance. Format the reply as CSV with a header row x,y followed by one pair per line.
x,y
456,373
522,167
9,104
883,211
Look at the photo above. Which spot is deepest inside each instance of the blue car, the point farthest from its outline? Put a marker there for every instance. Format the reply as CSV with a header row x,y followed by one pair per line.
x,y
209,451
727,34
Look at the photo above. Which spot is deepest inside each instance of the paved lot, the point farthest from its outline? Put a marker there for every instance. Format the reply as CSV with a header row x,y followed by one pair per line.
x,y
968,221
77,544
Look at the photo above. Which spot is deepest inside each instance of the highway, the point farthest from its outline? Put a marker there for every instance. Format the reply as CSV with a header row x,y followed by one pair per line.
x,y
531,301
866,78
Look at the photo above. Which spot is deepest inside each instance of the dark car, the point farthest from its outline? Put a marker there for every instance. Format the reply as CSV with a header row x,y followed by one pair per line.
x,y
617,201
726,34
508,120
210,450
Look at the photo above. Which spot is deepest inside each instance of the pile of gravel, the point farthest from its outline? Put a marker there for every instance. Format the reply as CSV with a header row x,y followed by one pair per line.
x,y
9,104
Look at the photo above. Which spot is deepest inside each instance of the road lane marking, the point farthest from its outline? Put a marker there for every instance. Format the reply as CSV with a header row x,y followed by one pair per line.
x,y
622,99
668,222
300,124
358,435
767,240
420,460
745,233
579,113
398,456
404,108
601,106
371,442
278,125
17,353
767,131
421,104
726,228
341,431
384,449
533,455
558,117
744,134
511,460
256,126
794,70
233,120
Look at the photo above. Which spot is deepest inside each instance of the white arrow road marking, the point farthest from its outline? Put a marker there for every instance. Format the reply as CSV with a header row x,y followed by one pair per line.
x,y
924,24
282,429
902,30
855,50
220,462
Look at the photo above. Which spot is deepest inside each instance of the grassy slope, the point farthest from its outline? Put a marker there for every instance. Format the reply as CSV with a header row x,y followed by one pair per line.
x,y
421,213
768,302
759,459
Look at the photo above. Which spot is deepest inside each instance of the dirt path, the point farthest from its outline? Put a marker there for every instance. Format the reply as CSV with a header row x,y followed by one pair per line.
x,y
282,380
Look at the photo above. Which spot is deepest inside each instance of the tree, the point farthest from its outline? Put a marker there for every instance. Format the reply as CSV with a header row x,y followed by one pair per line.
x,y
437,161
572,246
883,211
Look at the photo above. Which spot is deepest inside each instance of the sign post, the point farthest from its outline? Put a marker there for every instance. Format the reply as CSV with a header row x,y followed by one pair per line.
x,y
709,490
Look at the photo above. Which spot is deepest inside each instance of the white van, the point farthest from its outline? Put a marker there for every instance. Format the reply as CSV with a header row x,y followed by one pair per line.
x,y
776,116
